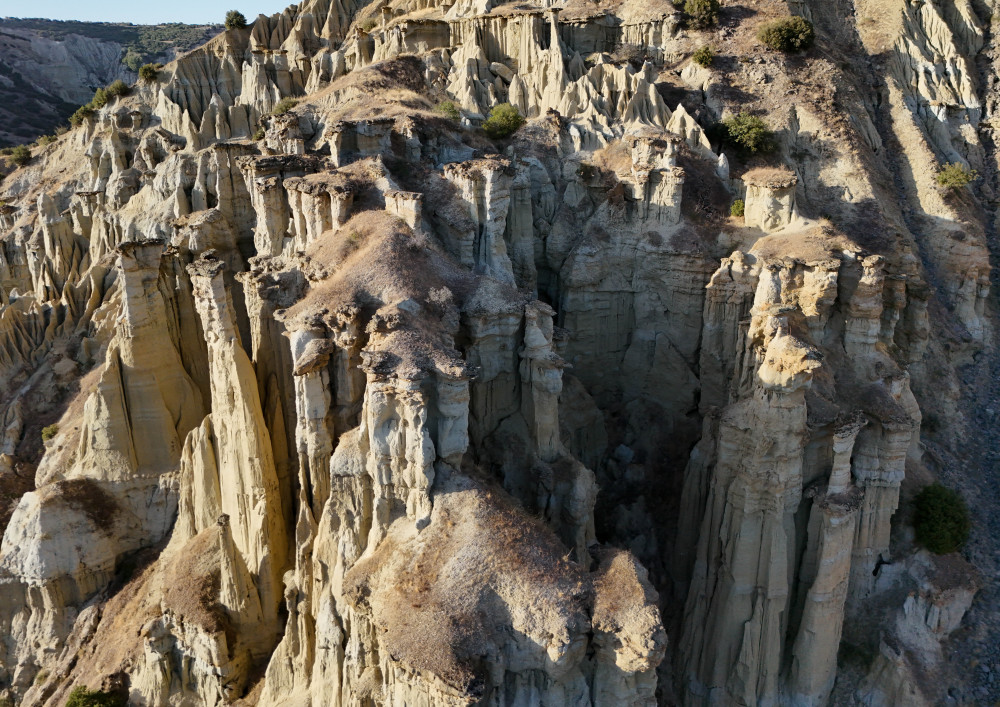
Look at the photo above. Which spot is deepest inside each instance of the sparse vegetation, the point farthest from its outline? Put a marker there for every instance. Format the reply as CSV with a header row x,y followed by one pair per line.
x,y
941,519
749,133
132,60
284,105
81,114
41,676
142,41
448,109
737,209
20,155
704,56
82,697
49,432
117,88
28,113
100,99
369,24
701,13
259,134
148,73
46,140
787,34
503,121
90,498
235,20
956,175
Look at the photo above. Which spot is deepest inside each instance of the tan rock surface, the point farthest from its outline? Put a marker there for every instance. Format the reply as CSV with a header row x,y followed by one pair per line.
x,y
378,411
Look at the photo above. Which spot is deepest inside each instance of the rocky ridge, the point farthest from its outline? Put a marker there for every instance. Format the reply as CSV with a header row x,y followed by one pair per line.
x,y
370,409
48,69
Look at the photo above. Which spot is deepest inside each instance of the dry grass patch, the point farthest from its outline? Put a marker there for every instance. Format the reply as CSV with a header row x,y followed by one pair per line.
x,y
88,497
770,177
482,569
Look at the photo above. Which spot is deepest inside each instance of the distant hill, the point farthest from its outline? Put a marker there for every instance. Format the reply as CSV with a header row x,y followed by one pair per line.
x,y
48,67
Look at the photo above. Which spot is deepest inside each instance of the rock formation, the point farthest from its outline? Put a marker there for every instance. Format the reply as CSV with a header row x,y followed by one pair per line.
x,y
311,393
49,68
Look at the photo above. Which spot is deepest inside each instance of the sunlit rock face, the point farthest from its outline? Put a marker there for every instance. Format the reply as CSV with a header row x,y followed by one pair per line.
x,y
313,393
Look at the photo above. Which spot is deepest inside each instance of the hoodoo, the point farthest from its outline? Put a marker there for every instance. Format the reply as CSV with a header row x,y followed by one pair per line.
x,y
561,353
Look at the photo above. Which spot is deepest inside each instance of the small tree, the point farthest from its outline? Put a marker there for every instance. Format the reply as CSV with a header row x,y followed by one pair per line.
x,y
20,155
956,175
788,34
503,121
704,56
701,13
133,60
284,105
148,73
749,132
448,109
117,88
738,208
100,98
235,20
82,697
941,519
81,114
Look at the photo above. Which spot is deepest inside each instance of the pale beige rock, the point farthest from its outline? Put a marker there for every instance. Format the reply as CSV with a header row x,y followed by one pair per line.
x,y
385,395
243,460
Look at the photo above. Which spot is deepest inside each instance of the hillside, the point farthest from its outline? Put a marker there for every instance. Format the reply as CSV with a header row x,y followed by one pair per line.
x,y
474,353
48,68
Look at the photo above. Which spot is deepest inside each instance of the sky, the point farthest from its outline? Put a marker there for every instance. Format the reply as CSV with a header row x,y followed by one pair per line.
x,y
140,11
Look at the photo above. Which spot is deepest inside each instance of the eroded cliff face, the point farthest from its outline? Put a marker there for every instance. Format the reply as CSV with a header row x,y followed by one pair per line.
x,y
49,68
372,410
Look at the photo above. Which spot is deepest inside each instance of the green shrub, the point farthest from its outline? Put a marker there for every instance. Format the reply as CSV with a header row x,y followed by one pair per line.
x,y
116,89
132,60
20,155
749,132
448,109
956,175
49,432
284,105
81,114
701,13
737,209
369,24
82,697
100,98
148,73
258,134
704,56
46,140
788,34
503,121
941,519
235,20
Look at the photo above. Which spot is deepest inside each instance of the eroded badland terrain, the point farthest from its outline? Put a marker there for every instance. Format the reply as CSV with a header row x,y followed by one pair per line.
x,y
341,401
